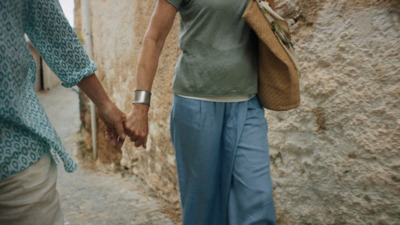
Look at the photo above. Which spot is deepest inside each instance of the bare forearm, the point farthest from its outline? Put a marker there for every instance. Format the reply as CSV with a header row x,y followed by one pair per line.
x,y
147,64
154,39
92,87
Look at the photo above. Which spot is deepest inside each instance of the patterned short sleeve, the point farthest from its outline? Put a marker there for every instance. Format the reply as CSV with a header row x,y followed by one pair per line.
x,y
56,41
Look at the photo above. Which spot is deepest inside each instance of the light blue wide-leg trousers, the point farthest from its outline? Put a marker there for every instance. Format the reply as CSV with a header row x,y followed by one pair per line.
x,y
223,162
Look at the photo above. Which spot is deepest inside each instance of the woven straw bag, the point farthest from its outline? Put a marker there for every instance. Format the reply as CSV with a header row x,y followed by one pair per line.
x,y
278,72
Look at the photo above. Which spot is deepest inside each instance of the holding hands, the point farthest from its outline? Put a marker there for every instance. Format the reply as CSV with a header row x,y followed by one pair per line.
x,y
118,125
135,125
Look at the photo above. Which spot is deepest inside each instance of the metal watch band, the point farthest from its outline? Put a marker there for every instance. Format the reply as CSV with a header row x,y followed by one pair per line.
x,y
142,97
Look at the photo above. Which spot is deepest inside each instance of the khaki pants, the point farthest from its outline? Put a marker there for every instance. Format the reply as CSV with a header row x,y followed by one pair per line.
x,y
30,197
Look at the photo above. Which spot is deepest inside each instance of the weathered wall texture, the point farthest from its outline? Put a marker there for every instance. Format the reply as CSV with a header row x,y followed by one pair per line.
x,y
335,159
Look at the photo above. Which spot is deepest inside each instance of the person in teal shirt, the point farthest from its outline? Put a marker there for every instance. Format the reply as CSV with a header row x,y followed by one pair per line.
x,y
218,128
29,145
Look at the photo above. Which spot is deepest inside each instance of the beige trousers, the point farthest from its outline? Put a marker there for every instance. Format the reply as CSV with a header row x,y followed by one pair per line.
x,y
30,196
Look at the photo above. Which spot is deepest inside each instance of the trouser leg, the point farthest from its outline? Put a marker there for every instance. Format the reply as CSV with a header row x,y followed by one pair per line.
x,y
196,128
250,199
30,197
223,162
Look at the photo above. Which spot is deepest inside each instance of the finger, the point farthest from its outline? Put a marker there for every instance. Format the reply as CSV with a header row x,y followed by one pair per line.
x,y
120,142
123,118
113,137
108,133
128,132
120,130
140,142
134,138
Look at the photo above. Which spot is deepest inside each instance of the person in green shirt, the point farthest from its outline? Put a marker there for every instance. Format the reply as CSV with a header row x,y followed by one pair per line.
x,y
218,127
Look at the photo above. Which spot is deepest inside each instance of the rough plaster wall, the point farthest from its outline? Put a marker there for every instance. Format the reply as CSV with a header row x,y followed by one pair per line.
x,y
335,159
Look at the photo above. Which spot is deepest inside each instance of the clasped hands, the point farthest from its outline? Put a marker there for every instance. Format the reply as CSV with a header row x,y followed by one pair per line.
x,y
118,124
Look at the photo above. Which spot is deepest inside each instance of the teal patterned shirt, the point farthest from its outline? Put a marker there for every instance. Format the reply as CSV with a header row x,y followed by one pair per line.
x,y
25,131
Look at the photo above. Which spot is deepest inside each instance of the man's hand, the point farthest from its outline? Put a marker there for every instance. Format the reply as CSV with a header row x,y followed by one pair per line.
x,y
114,119
108,112
137,125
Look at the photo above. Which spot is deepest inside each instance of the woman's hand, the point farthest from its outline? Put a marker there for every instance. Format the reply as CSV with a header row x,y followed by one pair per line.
x,y
114,120
137,124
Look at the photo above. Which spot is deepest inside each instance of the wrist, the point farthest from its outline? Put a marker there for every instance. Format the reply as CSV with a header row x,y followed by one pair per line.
x,y
142,108
104,104
142,97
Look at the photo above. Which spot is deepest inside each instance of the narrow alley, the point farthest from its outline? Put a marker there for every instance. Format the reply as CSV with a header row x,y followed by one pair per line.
x,y
94,197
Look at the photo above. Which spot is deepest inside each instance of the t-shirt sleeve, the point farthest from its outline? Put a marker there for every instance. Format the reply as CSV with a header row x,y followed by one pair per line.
x,y
176,3
56,41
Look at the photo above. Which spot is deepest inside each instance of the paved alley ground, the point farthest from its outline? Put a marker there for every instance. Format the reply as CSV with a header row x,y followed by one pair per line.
x,y
93,197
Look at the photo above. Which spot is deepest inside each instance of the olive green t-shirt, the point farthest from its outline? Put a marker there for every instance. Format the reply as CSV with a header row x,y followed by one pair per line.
x,y
219,50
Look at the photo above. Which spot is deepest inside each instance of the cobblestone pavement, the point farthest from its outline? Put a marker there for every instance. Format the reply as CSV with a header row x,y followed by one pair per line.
x,y
93,197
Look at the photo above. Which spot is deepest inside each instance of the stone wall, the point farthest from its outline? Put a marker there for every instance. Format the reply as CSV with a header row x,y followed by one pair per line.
x,y
335,159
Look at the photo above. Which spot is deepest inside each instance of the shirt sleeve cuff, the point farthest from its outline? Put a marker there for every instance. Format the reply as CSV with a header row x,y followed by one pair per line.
x,y
76,77
174,3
